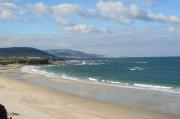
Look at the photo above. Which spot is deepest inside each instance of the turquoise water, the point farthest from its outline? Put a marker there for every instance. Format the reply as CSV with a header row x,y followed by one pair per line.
x,y
154,73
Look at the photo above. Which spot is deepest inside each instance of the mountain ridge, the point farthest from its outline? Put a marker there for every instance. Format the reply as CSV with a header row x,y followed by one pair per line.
x,y
23,52
68,53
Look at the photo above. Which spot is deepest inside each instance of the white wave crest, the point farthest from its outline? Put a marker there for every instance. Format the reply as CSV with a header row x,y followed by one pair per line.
x,y
92,79
141,62
64,76
86,62
136,68
155,87
113,82
36,70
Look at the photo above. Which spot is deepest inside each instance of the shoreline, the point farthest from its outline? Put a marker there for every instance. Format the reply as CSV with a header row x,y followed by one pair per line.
x,y
49,103
138,86
46,102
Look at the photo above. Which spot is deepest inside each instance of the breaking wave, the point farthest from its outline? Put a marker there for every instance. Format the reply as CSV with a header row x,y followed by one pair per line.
x,y
136,68
38,70
87,62
141,62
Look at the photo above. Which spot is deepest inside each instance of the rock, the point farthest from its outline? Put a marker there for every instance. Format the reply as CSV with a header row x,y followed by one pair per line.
x,y
13,114
3,112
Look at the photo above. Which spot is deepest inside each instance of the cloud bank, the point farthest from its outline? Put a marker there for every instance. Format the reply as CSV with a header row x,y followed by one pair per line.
x,y
113,11
9,10
107,27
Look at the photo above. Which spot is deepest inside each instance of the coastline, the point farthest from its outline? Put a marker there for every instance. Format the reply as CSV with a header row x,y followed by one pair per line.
x,y
37,71
32,101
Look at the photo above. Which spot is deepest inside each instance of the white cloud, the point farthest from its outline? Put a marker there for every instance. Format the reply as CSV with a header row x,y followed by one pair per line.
x,y
174,19
40,9
115,11
63,21
61,10
65,9
80,28
84,28
162,18
118,8
59,13
6,14
73,10
7,5
9,10
119,12
112,11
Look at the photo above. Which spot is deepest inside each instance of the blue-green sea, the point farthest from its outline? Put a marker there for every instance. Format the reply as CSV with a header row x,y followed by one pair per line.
x,y
156,73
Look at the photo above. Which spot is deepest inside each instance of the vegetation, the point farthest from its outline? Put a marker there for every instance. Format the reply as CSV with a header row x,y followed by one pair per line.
x,y
28,60
25,55
23,52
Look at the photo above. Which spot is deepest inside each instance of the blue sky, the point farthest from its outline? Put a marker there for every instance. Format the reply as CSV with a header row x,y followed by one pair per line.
x,y
109,27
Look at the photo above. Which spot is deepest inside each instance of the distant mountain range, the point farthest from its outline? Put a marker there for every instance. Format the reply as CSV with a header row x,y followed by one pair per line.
x,y
23,52
66,53
33,52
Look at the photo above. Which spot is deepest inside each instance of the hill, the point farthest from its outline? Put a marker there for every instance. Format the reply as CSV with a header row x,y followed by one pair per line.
x,y
66,53
23,52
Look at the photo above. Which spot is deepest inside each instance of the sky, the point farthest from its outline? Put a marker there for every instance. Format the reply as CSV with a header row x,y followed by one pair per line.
x,y
120,28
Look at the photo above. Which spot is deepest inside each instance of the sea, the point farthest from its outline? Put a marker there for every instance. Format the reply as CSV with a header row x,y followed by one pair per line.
x,y
152,73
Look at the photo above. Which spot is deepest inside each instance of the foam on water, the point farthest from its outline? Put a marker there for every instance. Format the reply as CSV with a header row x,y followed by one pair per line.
x,y
152,86
64,76
136,68
92,79
113,82
141,62
87,62
38,70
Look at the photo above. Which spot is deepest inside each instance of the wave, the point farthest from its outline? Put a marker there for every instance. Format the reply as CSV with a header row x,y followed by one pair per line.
x,y
154,87
38,70
136,85
64,76
142,86
141,62
113,82
85,62
92,79
140,68
136,68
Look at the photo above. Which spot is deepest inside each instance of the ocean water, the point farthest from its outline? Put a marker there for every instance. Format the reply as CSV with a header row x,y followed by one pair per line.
x,y
158,73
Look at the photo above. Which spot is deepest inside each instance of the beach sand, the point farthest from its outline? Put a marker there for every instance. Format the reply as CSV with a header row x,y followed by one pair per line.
x,y
29,101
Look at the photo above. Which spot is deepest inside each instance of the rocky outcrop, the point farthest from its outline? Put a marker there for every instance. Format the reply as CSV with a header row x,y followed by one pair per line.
x,y
3,112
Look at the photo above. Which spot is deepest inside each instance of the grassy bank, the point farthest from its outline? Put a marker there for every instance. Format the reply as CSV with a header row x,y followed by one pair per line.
x,y
4,60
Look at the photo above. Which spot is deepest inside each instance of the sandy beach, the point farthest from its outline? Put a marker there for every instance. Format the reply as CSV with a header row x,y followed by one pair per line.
x,y
28,101
89,59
